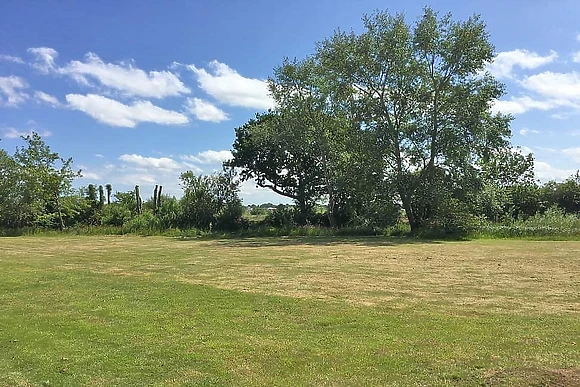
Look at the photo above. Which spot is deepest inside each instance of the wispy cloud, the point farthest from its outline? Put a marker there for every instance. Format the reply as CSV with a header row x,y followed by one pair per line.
x,y
11,93
505,62
559,86
115,113
545,91
11,58
520,105
164,163
12,133
228,87
526,131
125,78
44,58
205,111
546,172
42,97
209,157
573,153
121,77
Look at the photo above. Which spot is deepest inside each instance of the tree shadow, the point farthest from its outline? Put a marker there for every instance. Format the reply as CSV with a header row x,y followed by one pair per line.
x,y
284,241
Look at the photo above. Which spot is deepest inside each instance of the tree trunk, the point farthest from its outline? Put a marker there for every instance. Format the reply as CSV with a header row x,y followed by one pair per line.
x,y
138,199
330,212
109,189
413,221
155,198
159,196
101,197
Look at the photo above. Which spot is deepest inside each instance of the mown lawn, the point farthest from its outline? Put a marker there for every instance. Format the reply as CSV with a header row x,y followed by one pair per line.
x,y
102,311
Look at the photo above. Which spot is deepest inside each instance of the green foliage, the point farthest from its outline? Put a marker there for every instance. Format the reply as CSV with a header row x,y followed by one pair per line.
x,y
145,223
127,200
33,181
452,218
554,223
393,119
210,201
169,211
277,154
282,217
565,195
416,91
115,214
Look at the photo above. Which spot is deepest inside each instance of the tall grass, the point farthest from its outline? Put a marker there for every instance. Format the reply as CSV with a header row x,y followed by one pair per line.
x,y
554,223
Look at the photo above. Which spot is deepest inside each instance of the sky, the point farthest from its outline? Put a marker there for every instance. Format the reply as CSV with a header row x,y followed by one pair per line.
x,y
139,91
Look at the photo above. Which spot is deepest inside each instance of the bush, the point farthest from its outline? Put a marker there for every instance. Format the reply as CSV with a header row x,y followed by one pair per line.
x,y
115,214
553,223
282,217
452,218
143,224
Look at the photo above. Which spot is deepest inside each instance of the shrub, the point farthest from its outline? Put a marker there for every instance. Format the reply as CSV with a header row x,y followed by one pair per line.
x,y
144,224
115,214
452,218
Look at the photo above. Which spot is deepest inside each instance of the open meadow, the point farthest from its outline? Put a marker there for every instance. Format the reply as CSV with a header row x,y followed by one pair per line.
x,y
159,311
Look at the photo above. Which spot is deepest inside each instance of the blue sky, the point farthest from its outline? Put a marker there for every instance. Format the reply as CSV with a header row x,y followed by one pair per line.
x,y
139,91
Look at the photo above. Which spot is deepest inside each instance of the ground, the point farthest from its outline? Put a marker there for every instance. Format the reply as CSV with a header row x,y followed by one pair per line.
x,y
161,311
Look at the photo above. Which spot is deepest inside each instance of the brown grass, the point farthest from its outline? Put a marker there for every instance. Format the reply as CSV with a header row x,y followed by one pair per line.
x,y
515,276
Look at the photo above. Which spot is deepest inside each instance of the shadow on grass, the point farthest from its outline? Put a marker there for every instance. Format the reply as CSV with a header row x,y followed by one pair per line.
x,y
310,241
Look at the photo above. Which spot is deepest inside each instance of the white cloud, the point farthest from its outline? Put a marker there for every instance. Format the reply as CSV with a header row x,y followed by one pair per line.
x,y
133,169
576,57
578,37
526,131
504,62
42,97
573,153
115,113
13,133
150,162
560,86
205,111
11,91
520,105
45,57
228,87
11,58
210,157
125,78
545,172
87,175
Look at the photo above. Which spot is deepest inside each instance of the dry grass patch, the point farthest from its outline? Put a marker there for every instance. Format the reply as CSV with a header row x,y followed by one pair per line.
x,y
526,377
367,311
513,276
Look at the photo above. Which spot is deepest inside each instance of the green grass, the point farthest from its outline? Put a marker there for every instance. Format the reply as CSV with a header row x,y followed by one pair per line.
x,y
101,311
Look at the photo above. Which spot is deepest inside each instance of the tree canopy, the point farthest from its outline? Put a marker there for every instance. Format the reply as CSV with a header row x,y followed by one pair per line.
x,y
408,107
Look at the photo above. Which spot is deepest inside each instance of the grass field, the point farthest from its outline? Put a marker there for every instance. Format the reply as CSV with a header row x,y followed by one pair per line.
x,y
102,311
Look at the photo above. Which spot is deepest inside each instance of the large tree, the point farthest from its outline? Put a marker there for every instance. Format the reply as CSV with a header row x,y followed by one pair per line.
x,y
422,92
278,154
37,179
308,148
